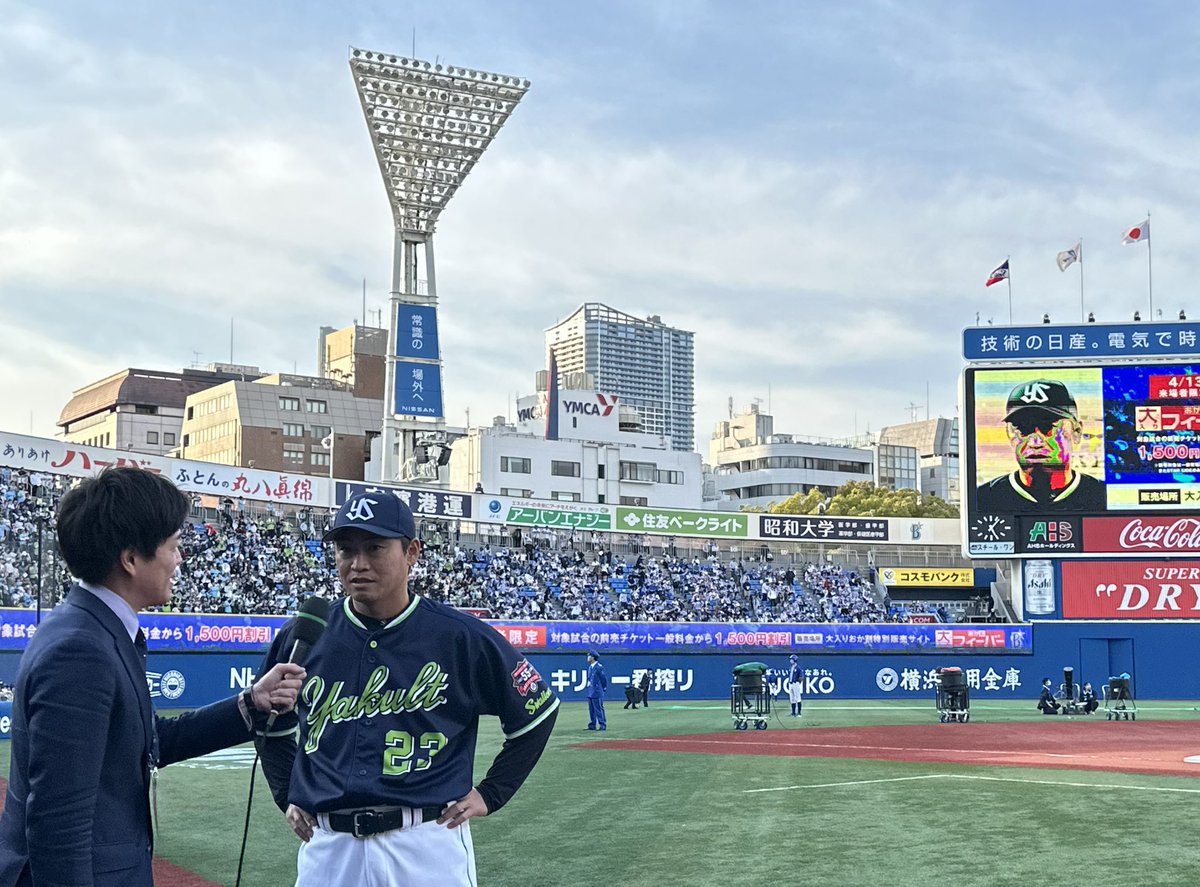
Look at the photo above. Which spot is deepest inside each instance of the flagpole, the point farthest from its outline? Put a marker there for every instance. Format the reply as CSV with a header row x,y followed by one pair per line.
x,y
1150,266
1008,279
1081,314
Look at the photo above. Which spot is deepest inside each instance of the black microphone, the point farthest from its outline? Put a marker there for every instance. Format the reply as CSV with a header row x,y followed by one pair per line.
x,y
311,622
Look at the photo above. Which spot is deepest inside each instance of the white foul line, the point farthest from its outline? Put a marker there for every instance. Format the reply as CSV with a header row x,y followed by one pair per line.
x,y
788,788
1133,788
1136,788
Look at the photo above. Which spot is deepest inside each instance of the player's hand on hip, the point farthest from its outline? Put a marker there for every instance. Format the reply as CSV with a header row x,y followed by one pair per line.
x,y
276,691
457,812
301,821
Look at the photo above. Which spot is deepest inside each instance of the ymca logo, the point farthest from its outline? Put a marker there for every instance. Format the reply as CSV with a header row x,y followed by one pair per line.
x,y
1035,392
587,408
361,510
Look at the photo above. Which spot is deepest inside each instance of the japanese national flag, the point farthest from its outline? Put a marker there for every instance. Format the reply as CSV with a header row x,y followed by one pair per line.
x,y
1138,233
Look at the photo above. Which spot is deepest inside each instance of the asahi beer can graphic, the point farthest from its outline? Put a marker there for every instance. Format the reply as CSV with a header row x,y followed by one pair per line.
x,y
1039,587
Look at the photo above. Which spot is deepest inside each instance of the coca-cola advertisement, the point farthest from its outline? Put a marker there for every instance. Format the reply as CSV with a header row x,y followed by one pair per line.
x,y
1141,535
1131,589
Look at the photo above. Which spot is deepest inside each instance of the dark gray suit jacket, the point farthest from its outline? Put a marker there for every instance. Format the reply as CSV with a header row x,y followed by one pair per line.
x,y
77,811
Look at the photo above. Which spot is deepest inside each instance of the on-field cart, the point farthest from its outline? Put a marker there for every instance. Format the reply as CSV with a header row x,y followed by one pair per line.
x,y
1069,695
1118,700
953,696
749,698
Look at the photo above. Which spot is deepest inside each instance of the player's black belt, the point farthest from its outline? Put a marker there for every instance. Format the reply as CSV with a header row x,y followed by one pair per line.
x,y
364,823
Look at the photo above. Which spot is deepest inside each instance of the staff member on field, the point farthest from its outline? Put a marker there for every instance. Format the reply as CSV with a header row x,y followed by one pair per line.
x,y
380,788
85,740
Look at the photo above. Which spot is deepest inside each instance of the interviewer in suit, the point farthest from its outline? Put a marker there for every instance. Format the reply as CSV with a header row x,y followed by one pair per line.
x,y
85,740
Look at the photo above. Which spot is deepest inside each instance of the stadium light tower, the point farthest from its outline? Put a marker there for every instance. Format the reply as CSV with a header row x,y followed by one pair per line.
x,y
429,125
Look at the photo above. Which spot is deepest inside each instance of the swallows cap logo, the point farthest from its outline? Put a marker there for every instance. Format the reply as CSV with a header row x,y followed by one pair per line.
x,y
361,510
1035,392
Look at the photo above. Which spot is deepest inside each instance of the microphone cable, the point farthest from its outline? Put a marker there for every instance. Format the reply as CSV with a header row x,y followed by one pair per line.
x,y
246,828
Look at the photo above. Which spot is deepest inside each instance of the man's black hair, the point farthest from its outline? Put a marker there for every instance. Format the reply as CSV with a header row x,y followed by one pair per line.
x,y
118,509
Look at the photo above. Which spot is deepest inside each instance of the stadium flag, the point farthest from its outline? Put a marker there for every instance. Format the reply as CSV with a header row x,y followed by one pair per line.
x,y
1138,233
327,441
1069,257
1001,273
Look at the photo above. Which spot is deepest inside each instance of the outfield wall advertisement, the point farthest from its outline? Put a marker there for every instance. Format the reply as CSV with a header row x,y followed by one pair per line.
x,y
1141,590
215,632
1160,657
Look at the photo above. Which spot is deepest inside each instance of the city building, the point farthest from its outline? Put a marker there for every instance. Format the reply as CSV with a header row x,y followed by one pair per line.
x,y
298,424
139,410
592,449
649,365
936,444
753,466
895,464
355,355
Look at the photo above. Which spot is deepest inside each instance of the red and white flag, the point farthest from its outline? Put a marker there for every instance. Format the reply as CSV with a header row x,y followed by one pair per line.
x,y
1138,233
1001,273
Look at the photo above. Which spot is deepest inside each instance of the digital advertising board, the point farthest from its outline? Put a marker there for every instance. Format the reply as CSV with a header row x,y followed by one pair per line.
x,y
1072,461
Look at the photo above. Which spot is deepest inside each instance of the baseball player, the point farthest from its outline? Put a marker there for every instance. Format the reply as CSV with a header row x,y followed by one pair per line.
x,y
795,685
380,788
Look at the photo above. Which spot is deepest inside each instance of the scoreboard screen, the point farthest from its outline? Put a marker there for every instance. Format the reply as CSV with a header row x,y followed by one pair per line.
x,y
1075,460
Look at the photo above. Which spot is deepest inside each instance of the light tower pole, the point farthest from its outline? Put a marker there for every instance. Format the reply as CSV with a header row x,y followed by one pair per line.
x,y
429,125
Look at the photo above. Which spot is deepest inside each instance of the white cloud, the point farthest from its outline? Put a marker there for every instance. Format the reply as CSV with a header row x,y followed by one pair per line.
x,y
834,260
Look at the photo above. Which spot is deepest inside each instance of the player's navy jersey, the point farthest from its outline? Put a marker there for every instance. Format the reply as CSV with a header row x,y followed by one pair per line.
x,y
390,716
1006,495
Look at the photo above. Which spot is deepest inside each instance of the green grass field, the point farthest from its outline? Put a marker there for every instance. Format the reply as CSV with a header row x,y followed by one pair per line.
x,y
597,818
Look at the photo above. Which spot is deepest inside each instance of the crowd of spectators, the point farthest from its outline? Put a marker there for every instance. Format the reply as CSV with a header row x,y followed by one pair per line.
x,y
236,561
539,582
24,503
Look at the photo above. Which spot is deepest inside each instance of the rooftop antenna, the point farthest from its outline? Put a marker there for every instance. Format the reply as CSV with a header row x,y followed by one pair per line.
x,y
912,412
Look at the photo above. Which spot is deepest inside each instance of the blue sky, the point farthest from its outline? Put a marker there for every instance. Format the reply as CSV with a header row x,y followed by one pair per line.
x,y
817,190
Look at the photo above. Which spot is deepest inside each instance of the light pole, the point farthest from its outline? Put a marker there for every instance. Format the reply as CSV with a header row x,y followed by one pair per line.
x,y
429,125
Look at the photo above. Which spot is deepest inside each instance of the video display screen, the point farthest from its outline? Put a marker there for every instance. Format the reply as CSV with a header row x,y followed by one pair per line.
x,y
1064,460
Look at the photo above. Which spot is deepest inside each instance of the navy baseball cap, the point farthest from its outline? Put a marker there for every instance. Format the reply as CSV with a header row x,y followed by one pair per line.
x,y
379,513
793,657
1044,395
